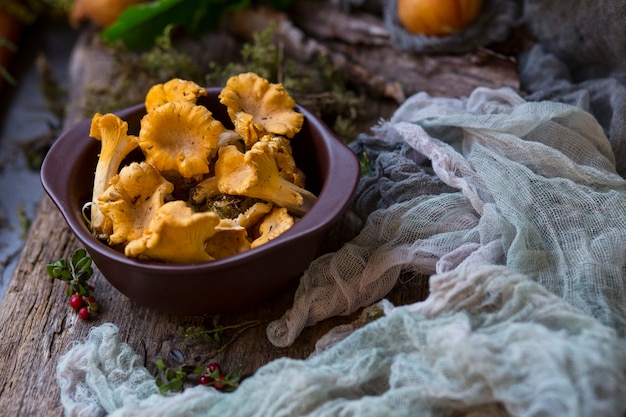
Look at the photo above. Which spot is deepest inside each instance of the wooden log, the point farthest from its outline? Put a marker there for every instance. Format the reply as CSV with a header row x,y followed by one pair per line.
x,y
360,45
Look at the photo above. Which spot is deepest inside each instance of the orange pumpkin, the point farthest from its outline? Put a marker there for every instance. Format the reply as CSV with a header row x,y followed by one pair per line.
x,y
102,13
437,17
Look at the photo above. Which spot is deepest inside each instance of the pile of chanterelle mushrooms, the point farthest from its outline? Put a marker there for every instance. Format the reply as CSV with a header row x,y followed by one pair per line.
x,y
202,192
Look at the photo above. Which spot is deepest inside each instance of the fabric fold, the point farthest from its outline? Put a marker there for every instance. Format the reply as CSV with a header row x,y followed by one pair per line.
x,y
530,185
488,341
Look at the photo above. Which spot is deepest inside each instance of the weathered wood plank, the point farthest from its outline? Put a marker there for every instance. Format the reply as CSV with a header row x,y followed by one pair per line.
x,y
361,46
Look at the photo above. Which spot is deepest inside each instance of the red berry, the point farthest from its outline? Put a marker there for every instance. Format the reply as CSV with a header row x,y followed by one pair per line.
x,y
76,301
204,380
219,382
214,366
84,313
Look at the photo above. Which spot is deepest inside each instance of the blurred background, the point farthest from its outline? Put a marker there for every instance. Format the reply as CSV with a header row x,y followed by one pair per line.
x,y
29,122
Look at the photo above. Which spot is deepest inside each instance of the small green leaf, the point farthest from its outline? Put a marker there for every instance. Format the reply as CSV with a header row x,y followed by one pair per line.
x,y
169,386
169,374
52,270
77,256
159,364
61,263
364,161
78,289
139,25
59,270
83,267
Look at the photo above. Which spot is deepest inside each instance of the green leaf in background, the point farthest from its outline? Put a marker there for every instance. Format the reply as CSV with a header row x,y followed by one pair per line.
x,y
140,24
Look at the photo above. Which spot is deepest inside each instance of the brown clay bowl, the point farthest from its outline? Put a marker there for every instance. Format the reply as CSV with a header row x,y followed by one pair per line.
x,y
225,285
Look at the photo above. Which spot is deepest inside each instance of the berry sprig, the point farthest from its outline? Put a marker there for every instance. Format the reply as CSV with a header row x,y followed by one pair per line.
x,y
216,333
75,272
213,376
175,379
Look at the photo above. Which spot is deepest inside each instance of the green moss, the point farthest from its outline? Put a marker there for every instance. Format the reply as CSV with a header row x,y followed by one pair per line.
x,y
260,56
164,61
229,206
136,72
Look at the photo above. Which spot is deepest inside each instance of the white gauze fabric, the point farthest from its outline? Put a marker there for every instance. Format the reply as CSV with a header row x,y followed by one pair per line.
x,y
486,342
102,374
537,191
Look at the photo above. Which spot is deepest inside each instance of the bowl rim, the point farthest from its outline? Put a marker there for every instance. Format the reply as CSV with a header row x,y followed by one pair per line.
x,y
331,199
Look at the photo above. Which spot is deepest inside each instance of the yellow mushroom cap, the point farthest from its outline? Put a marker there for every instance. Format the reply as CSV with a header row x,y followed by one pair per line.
x,y
176,234
206,188
281,149
132,200
258,107
173,90
277,222
228,240
180,136
253,215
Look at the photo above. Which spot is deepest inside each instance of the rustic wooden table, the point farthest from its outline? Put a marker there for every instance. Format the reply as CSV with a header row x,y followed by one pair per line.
x,y
38,326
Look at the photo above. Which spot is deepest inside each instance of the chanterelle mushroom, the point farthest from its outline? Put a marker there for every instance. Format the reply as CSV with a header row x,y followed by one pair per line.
x,y
281,149
180,136
173,90
277,222
258,107
176,234
253,215
132,199
227,241
255,174
112,132
206,188
226,190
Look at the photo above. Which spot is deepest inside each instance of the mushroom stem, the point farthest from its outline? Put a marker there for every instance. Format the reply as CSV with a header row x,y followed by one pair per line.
x,y
112,132
255,174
